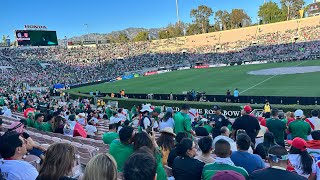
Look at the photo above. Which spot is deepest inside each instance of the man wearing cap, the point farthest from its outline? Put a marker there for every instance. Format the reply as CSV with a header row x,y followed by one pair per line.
x,y
182,121
299,128
278,160
145,122
248,123
200,130
218,120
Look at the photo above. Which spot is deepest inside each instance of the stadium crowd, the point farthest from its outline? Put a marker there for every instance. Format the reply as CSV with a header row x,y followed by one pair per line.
x,y
150,142
43,67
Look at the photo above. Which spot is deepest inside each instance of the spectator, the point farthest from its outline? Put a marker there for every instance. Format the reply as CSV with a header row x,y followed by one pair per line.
x,y
262,148
185,166
250,162
299,128
314,121
299,159
278,159
225,133
182,121
1,128
314,145
229,175
289,117
143,139
166,143
58,163
49,124
200,130
38,121
140,165
277,127
12,149
249,123
91,128
32,147
173,152
108,137
205,145
101,167
145,122
166,121
59,124
222,161
122,149
218,120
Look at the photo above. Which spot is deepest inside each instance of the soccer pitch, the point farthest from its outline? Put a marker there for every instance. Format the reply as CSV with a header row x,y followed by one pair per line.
x,y
218,80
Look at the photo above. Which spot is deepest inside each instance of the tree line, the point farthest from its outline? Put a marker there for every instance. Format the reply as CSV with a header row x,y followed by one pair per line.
x,y
205,20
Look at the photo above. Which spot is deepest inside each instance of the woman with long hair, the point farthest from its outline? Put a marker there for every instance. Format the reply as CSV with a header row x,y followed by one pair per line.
x,y
166,143
167,120
143,139
262,148
185,166
299,159
58,163
101,167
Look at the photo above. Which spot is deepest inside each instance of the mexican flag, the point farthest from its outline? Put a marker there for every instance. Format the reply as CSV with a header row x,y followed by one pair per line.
x,y
73,129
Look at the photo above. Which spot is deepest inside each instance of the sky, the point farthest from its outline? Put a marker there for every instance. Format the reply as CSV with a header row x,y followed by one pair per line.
x,y
68,17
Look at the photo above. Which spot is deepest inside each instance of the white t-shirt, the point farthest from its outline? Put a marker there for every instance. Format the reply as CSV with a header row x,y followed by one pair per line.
x,y
18,170
114,120
81,121
233,144
295,161
91,130
146,123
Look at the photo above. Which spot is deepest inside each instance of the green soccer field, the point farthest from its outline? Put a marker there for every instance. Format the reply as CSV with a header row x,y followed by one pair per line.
x,y
219,80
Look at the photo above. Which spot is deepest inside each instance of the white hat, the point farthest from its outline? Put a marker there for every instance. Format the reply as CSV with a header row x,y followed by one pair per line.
x,y
168,130
298,113
82,114
146,108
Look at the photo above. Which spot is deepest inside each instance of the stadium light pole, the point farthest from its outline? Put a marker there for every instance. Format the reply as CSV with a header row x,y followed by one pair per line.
x,y
87,31
177,10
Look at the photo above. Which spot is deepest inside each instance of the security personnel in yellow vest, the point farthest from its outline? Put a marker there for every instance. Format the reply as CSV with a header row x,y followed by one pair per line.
x,y
267,110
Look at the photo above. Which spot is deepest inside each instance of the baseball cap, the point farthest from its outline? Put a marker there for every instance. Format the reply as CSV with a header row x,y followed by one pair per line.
x,y
298,143
247,108
216,107
229,175
157,109
298,113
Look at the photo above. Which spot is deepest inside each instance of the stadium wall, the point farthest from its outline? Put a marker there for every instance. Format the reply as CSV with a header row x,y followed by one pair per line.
x,y
234,108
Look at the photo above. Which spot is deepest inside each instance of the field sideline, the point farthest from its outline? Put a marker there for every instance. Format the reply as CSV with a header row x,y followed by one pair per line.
x,y
219,80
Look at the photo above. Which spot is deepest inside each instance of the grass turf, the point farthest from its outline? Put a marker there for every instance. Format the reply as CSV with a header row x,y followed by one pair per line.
x,y
219,80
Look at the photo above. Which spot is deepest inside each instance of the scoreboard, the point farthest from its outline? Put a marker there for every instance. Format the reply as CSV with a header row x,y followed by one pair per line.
x,y
36,38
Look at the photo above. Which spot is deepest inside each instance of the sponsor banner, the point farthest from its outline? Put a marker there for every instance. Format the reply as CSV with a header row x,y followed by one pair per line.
x,y
150,73
35,27
163,71
89,42
183,68
124,77
119,78
201,67
136,75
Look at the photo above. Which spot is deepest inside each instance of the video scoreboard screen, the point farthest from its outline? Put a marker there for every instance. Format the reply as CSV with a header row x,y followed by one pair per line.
x,y
36,38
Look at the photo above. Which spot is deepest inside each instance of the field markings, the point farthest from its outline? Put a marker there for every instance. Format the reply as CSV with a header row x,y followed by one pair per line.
x,y
267,79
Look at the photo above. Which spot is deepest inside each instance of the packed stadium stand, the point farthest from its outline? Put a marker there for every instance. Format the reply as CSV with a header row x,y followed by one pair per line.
x,y
162,131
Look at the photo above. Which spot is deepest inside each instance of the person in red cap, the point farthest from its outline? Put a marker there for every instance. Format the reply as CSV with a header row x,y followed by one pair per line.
x,y
249,123
299,159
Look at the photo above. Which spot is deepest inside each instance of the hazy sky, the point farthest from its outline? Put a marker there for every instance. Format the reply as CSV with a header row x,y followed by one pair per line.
x,y
68,17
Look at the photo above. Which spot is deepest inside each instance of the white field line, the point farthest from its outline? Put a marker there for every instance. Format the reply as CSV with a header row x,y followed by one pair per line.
x,y
267,79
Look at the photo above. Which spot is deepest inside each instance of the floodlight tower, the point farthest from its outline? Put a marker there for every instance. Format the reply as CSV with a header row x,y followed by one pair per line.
x,y
177,9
